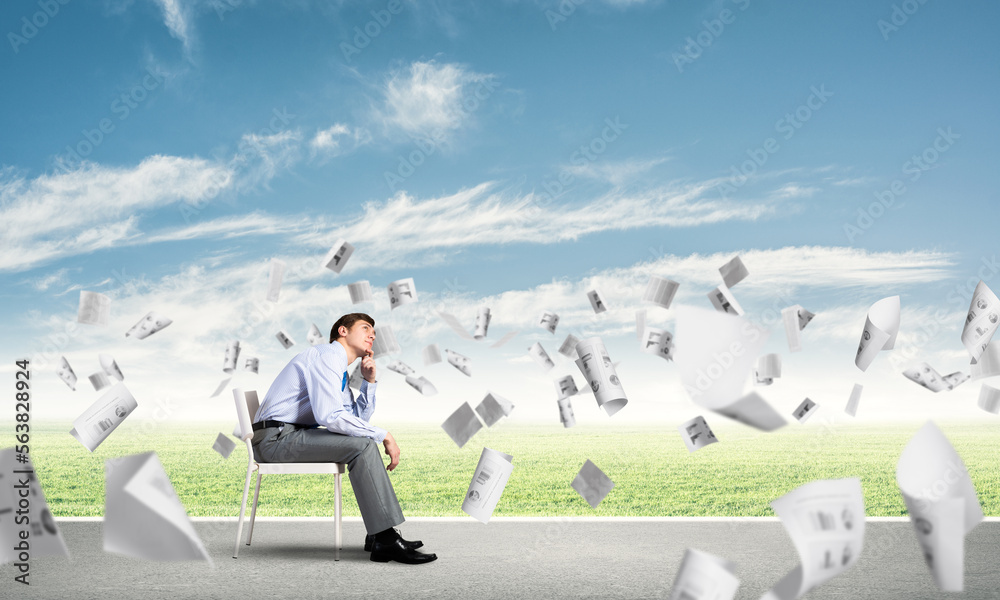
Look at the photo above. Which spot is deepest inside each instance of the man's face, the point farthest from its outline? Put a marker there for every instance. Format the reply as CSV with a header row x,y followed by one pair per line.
x,y
360,336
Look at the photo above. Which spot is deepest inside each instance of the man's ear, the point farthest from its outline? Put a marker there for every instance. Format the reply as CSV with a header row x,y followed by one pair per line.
x,y
342,331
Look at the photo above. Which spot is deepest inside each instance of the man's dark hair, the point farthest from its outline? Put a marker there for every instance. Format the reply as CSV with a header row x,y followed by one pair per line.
x,y
348,321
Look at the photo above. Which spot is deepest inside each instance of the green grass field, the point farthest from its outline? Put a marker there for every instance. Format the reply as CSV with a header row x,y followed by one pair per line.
x,y
653,472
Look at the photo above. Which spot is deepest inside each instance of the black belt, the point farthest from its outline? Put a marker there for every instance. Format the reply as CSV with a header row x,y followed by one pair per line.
x,y
265,424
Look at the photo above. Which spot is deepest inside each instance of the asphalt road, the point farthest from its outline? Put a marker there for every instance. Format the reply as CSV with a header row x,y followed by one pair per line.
x,y
507,558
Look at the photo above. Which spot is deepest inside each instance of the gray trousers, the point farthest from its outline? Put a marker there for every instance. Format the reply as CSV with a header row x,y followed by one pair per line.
x,y
369,479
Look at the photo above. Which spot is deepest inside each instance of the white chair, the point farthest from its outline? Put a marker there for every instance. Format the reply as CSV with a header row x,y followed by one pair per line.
x,y
246,405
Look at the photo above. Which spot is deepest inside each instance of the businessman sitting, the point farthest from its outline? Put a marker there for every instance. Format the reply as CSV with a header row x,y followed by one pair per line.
x,y
312,390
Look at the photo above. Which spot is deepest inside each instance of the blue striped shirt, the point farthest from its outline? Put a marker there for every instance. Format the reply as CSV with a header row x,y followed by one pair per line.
x,y
310,390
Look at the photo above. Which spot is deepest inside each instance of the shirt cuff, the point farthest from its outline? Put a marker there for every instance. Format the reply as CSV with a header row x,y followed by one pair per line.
x,y
379,434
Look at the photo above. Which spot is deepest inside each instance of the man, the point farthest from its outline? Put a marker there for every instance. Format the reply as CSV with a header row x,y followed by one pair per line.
x,y
312,391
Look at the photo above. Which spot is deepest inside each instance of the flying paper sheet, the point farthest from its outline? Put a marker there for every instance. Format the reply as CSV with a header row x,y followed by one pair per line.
x,y
488,482
989,399
462,424
854,400
360,291
826,521
596,302
926,376
640,323
421,384
252,364
222,385
592,484
456,326
385,342
95,309
284,339
566,412
337,257
704,576
733,272
660,291
881,327
315,336
805,410
493,407
540,356
724,301
275,278
568,348
232,355
482,322
110,366
462,363
795,319
432,354
401,292
19,485
224,445
981,322
566,387
99,380
506,338
148,325
715,354
143,517
697,434
658,342
548,321
97,422
988,363
66,373
941,501
768,369
400,367
599,372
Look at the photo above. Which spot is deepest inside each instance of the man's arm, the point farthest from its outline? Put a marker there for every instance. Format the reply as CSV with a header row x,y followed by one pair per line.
x,y
328,399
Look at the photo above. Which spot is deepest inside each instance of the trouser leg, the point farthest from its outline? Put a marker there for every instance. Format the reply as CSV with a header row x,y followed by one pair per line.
x,y
369,479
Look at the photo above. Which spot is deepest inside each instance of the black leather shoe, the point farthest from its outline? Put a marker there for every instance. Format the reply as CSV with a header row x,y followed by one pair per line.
x,y
396,550
370,539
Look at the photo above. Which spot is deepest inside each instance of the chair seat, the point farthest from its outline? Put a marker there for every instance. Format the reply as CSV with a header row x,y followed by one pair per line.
x,y
300,468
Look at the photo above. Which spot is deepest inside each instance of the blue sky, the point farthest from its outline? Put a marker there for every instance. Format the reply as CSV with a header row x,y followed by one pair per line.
x,y
237,132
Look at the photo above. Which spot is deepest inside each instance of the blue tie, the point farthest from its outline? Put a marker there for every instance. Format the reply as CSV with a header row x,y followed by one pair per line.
x,y
343,384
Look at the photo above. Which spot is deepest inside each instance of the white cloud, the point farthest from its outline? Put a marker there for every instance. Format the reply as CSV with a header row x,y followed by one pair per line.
x,y
176,20
94,207
338,139
616,173
405,231
431,99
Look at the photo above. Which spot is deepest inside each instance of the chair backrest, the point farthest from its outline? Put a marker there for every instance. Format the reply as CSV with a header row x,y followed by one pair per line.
x,y
246,405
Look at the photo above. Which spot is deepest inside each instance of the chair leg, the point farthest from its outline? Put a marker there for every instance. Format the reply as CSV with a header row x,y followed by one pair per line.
x,y
337,515
253,513
243,510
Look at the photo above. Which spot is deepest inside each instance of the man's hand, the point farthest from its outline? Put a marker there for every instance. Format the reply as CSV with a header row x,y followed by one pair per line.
x,y
391,450
368,367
